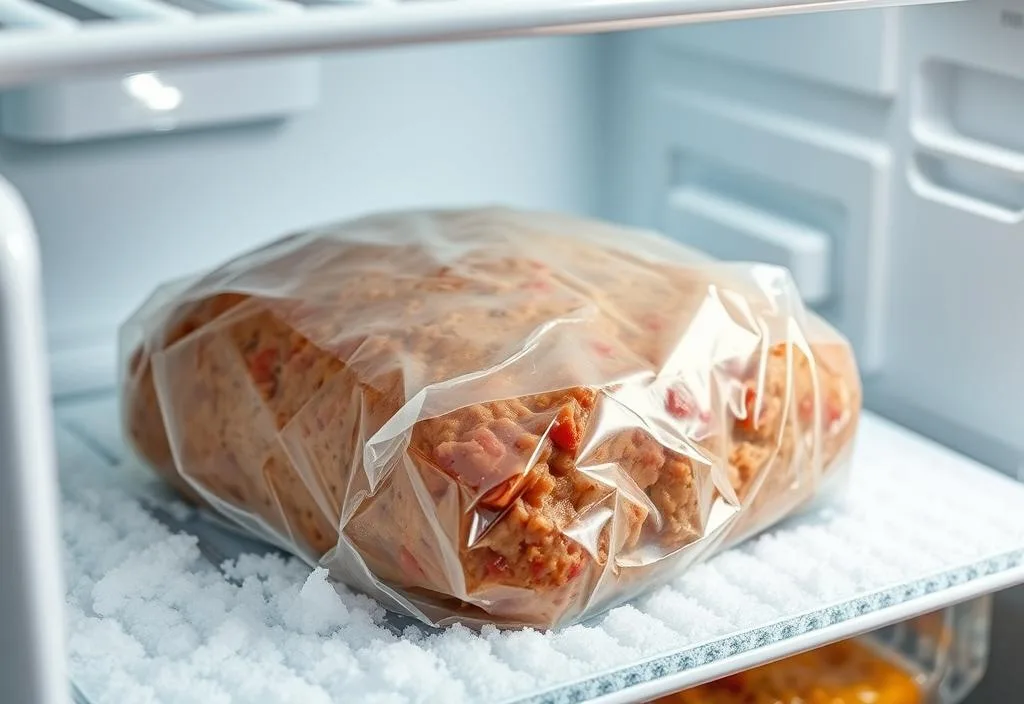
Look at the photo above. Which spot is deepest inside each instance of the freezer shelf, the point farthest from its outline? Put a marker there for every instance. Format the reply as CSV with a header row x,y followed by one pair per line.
x,y
45,38
156,615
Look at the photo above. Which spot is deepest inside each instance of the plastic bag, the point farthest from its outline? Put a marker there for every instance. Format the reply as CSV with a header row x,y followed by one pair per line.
x,y
490,416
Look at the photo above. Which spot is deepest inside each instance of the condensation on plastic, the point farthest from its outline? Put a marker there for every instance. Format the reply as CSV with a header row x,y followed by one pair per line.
x,y
936,658
490,416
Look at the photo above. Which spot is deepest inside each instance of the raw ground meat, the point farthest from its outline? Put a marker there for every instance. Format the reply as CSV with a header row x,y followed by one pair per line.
x,y
565,425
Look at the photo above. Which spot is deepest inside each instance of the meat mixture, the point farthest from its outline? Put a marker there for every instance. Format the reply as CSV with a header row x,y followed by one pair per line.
x,y
538,410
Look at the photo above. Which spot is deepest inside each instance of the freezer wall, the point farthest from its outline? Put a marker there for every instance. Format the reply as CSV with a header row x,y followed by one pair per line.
x,y
511,121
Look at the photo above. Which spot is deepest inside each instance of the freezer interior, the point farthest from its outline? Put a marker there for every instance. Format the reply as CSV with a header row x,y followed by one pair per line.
x,y
873,152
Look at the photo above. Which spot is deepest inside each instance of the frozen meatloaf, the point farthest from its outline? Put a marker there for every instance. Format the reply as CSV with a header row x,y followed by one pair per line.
x,y
490,415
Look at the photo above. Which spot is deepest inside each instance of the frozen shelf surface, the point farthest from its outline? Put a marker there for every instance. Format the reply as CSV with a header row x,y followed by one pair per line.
x,y
163,605
44,38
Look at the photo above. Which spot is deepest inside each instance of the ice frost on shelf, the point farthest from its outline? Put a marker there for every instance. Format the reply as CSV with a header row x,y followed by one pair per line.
x,y
152,618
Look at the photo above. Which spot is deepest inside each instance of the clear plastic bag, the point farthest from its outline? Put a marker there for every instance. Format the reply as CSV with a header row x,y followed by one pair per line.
x,y
490,416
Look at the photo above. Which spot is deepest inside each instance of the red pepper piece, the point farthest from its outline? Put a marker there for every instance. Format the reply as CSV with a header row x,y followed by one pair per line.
x,y
749,422
565,432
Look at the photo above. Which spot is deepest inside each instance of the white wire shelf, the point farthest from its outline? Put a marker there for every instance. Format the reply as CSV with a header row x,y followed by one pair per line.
x,y
46,38
921,528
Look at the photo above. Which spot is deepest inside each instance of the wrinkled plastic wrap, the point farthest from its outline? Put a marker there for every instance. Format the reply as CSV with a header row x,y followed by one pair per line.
x,y
490,416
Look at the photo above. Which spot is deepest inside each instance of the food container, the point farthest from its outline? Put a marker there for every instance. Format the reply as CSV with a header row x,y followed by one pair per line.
x,y
932,659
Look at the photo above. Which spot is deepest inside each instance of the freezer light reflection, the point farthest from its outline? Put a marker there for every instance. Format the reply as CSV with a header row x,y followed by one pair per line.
x,y
149,90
